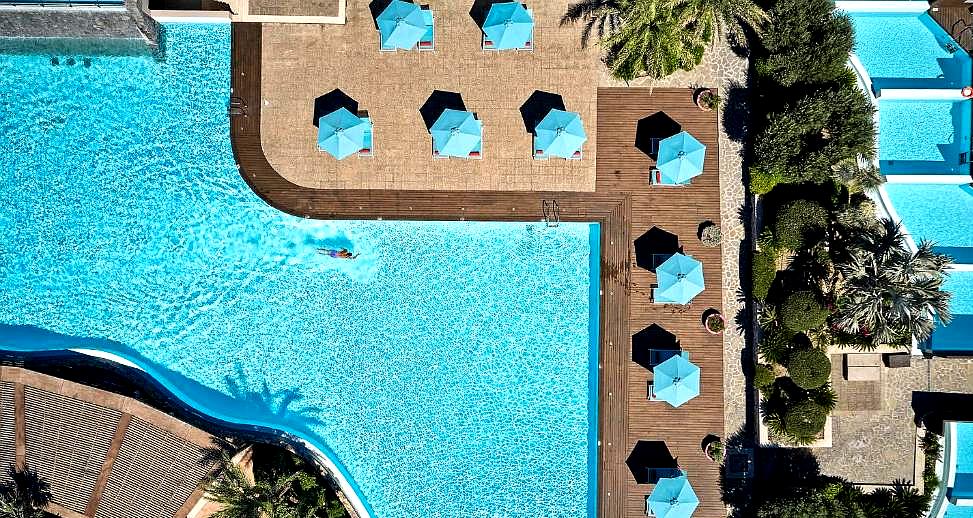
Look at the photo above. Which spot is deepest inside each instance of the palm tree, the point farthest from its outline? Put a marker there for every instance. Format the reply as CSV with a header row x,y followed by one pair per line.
x,y
890,293
26,495
729,16
656,39
857,176
602,16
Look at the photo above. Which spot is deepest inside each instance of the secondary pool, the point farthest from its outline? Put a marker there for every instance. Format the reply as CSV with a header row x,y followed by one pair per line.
x,y
957,475
908,50
924,136
957,337
939,213
450,370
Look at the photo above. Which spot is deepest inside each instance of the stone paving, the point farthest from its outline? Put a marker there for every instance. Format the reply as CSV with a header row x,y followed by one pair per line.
x,y
725,69
878,446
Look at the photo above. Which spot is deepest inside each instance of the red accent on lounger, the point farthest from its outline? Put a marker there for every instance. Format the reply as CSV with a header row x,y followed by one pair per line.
x,y
474,153
365,150
658,176
487,43
539,152
527,45
425,44
577,153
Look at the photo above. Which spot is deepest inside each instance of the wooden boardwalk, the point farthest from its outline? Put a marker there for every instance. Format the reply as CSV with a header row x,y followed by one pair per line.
x,y
625,207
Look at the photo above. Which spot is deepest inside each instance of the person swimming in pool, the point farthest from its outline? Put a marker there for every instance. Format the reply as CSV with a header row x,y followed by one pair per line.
x,y
338,254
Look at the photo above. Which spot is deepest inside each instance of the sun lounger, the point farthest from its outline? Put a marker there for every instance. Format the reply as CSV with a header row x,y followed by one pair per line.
x,y
366,150
657,474
657,356
651,392
655,178
428,41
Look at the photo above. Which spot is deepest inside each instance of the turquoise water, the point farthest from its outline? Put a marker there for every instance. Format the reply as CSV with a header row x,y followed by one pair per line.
x,y
923,137
964,470
450,369
955,338
939,213
908,50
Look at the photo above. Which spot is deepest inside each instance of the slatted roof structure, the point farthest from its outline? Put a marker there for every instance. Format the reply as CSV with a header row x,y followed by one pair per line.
x,y
105,455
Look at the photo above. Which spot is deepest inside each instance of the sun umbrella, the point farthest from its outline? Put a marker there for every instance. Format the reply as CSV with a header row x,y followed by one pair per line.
x,y
341,133
680,158
680,279
560,133
508,25
456,133
401,25
675,380
672,498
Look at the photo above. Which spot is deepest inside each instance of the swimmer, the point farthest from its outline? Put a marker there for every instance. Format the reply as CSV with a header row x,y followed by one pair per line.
x,y
338,254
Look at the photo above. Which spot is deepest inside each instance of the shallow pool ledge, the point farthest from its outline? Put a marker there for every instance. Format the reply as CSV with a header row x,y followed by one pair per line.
x,y
335,470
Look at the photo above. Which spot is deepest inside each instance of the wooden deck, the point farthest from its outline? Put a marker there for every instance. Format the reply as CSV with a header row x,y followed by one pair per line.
x,y
625,207
954,19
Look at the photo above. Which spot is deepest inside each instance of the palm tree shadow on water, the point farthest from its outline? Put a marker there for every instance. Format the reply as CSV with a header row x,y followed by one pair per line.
x,y
263,410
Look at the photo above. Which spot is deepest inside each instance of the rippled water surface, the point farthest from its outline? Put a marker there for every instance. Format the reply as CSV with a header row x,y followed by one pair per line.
x,y
448,367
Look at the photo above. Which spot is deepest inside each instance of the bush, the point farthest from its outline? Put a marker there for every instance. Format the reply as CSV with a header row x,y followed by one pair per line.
x,y
764,271
775,345
763,181
803,141
809,368
763,376
805,41
798,220
804,421
802,311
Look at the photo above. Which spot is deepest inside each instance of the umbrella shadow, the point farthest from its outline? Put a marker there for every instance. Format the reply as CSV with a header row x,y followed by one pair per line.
x,y
480,10
654,247
375,8
653,128
537,106
646,455
438,102
652,337
331,101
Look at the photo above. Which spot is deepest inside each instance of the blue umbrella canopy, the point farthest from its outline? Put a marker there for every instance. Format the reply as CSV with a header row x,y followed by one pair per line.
x,y
341,133
672,498
508,25
680,158
676,380
401,25
560,133
456,133
680,279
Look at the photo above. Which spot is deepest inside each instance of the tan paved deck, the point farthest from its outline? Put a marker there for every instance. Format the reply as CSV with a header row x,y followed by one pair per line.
x,y
294,7
302,62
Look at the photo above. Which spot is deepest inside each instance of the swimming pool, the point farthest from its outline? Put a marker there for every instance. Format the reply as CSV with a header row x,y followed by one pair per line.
x,y
924,136
908,50
451,370
957,475
937,213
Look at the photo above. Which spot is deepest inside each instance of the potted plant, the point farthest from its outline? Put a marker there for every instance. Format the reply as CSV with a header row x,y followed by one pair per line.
x,y
710,234
714,450
707,99
714,322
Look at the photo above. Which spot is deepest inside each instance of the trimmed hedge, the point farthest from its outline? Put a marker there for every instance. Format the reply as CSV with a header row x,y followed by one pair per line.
x,y
807,41
809,368
764,270
804,421
797,220
802,311
763,376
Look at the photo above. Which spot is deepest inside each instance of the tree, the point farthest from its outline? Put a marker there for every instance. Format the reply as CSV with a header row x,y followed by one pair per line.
x,y
806,41
26,495
809,368
802,311
729,16
656,38
601,16
889,293
796,221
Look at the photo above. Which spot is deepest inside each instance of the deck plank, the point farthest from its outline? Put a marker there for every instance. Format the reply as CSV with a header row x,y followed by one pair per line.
x,y
625,206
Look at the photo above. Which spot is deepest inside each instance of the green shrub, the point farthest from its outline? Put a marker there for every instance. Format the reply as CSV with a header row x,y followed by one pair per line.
x,y
933,450
775,345
802,311
805,41
803,421
797,220
803,141
763,376
763,181
764,271
809,368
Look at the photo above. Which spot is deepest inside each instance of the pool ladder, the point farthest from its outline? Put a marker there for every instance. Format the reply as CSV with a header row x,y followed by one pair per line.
x,y
237,106
552,213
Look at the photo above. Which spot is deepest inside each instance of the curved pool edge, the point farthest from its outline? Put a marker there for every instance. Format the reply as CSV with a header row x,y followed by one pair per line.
x,y
323,456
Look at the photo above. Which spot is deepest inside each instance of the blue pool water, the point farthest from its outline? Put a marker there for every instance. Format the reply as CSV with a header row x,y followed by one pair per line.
x,y
908,50
924,137
451,369
957,337
963,485
939,213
